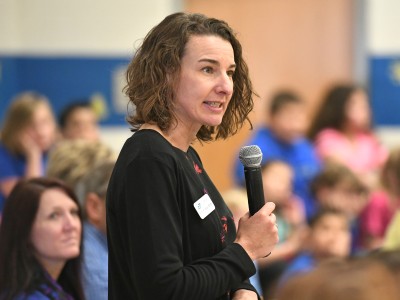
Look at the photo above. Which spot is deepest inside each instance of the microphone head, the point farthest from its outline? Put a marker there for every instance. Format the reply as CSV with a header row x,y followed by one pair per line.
x,y
250,156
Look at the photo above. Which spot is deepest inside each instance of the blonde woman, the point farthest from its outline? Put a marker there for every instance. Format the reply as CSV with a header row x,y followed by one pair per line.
x,y
28,132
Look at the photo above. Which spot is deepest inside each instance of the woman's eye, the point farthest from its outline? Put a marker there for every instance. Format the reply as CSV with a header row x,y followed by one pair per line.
x,y
75,212
207,70
54,215
230,73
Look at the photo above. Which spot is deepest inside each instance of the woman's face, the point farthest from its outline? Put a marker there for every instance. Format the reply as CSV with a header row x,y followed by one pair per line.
x,y
205,84
43,127
56,231
358,112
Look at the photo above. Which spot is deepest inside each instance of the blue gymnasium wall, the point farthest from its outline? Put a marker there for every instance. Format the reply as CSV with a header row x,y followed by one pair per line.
x,y
385,89
62,79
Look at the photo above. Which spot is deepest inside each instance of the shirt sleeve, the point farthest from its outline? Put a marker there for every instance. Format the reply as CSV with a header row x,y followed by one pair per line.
x,y
151,190
373,217
7,170
246,285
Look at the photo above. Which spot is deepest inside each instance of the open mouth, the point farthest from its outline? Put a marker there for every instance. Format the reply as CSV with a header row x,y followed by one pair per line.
x,y
214,104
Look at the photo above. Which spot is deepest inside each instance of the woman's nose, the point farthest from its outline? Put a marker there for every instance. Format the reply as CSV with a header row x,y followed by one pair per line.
x,y
71,222
225,85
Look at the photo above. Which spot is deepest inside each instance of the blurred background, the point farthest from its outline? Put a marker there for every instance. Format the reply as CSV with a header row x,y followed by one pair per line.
x,y
80,49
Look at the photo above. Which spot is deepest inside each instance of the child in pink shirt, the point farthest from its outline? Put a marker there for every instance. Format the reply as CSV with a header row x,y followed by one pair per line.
x,y
342,132
362,153
383,204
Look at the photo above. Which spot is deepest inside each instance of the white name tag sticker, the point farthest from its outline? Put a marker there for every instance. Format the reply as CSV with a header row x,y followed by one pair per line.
x,y
204,206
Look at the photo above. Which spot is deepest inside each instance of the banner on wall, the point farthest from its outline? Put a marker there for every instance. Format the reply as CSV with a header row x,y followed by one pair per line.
x,y
385,90
66,79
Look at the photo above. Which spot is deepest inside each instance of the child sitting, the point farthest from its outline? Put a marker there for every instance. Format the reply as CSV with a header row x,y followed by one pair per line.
x,y
383,203
328,237
336,186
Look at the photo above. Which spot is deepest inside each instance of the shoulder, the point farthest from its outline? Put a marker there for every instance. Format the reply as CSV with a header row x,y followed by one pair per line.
x,y
147,142
146,139
266,140
304,143
379,198
146,156
264,133
147,146
4,152
261,134
368,137
11,165
379,203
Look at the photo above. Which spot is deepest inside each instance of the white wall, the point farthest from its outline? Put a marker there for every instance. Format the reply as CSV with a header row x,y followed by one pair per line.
x,y
104,27
76,27
383,27
10,35
80,28
383,38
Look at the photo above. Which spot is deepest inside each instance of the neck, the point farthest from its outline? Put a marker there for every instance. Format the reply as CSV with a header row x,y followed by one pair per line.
x,y
54,269
177,137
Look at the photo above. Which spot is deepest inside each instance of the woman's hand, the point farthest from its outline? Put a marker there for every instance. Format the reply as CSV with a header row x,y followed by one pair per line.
x,y
258,234
29,146
244,295
33,154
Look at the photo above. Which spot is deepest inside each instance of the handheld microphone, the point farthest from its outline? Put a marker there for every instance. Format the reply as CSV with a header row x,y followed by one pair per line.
x,y
250,157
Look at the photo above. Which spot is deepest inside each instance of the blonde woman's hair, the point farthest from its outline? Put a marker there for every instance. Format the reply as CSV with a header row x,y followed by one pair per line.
x,y
19,117
71,160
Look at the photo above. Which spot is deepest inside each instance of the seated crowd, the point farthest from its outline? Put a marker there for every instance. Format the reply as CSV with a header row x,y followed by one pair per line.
x,y
336,190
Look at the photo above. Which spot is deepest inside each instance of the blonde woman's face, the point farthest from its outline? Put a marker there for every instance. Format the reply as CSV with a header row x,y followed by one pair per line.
x,y
43,127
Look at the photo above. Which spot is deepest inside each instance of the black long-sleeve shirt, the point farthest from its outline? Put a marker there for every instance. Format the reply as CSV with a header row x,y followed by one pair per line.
x,y
159,247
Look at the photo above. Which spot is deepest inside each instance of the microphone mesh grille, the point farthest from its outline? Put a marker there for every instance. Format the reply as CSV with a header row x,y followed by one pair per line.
x,y
250,156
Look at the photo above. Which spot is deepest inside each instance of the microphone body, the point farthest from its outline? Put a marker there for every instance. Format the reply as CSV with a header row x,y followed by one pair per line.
x,y
250,157
254,187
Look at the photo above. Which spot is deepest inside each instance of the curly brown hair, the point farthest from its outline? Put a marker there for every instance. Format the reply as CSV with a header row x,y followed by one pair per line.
x,y
153,73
